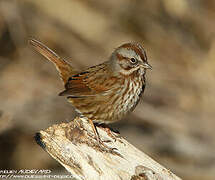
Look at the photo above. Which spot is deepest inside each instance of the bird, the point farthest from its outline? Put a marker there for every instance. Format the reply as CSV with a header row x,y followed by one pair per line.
x,y
107,92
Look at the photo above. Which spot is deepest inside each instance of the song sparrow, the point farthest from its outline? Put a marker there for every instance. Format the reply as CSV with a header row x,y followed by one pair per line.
x,y
106,92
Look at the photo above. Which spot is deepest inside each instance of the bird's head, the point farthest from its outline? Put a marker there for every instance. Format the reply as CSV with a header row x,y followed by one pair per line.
x,y
130,57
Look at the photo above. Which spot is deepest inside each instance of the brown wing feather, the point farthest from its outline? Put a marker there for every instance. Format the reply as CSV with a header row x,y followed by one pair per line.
x,y
64,68
76,87
88,83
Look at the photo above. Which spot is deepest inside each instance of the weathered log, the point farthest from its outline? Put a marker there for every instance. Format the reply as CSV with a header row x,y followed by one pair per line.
x,y
74,146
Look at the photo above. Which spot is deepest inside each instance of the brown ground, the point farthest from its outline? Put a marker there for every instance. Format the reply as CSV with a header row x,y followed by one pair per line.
x,y
174,123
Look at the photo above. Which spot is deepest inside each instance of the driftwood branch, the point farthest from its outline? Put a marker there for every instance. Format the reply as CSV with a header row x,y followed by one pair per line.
x,y
73,145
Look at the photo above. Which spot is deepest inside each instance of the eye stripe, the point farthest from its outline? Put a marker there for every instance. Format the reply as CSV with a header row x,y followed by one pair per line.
x,y
120,57
137,48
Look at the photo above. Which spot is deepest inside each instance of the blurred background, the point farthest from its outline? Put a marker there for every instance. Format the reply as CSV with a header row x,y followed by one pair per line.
x,y
174,122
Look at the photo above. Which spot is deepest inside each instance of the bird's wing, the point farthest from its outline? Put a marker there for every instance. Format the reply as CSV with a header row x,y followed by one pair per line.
x,y
64,68
92,82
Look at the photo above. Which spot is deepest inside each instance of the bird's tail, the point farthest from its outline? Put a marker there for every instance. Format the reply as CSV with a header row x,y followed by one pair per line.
x,y
64,68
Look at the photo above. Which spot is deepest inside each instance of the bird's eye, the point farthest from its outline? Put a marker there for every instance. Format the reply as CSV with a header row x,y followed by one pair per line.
x,y
133,60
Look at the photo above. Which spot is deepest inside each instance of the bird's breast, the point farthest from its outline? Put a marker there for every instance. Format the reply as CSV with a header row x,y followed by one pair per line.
x,y
121,98
124,99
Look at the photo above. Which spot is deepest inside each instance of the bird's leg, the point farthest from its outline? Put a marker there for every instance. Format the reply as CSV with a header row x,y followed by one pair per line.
x,y
95,132
100,142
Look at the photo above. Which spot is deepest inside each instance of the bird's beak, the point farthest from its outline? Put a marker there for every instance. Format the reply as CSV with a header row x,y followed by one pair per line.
x,y
146,65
